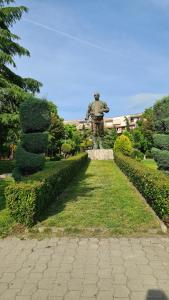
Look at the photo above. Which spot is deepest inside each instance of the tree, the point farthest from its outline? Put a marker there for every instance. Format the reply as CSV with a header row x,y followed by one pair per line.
x,y
73,137
147,125
127,124
14,89
109,138
56,131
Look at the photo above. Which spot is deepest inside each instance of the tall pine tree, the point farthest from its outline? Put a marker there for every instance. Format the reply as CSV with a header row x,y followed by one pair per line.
x,y
13,88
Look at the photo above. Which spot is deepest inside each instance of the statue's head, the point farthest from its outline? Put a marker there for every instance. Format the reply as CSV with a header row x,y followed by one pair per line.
x,y
96,96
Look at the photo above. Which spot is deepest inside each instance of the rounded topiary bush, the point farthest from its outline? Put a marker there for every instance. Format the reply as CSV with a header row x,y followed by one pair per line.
x,y
35,120
35,142
34,115
161,138
28,162
123,144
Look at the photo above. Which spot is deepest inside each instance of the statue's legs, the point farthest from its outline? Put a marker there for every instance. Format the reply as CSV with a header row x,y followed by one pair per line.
x,y
101,133
94,135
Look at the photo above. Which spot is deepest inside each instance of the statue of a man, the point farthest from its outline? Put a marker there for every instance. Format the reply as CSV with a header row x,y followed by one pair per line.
x,y
95,112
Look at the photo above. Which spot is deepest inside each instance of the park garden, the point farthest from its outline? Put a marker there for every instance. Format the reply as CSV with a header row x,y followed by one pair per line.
x,y
53,183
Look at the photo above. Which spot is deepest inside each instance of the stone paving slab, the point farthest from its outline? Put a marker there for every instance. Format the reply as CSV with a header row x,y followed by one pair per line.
x,y
84,269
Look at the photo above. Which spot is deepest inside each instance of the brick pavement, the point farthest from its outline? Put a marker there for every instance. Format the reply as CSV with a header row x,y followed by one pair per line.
x,y
86,269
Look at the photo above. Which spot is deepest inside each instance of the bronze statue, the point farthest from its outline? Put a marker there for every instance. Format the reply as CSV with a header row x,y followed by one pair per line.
x,y
95,112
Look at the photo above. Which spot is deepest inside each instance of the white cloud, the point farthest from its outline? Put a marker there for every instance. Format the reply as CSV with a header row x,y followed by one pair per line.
x,y
141,100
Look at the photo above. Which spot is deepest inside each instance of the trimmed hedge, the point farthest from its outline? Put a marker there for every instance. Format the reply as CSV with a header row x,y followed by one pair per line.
x,y
28,199
6,166
28,162
161,140
34,115
35,142
152,184
35,119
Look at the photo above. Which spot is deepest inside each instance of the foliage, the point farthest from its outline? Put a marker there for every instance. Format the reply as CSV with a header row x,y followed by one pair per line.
x,y
6,221
28,162
73,137
56,132
161,139
127,124
123,144
66,149
14,89
35,142
6,166
34,115
138,155
129,134
152,184
139,140
27,200
142,135
109,138
149,154
35,118
162,158
86,144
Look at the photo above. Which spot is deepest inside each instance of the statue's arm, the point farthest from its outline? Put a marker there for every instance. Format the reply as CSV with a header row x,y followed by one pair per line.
x,y
105,107
88,112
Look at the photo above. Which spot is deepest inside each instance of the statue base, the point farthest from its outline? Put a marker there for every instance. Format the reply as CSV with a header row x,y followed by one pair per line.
x,y
100,154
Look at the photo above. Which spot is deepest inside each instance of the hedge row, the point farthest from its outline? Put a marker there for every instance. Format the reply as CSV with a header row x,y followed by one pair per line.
x,y
28,199
6,166
152,184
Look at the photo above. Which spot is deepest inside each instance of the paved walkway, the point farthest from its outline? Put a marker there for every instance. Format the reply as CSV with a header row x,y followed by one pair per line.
x,y
86,269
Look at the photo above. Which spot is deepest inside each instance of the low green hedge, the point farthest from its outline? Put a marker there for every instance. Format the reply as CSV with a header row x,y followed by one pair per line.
x,y
6,166
28,199
152,184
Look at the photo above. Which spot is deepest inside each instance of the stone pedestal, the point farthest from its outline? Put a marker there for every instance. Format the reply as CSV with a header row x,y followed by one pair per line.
x,y
100,154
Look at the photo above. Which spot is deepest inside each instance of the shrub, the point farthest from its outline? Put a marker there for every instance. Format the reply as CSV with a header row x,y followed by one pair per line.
x,y
35,142
66,148
28,199
28,162
152,184
6,166
162,158
123,144
161,140
148,154
34,115
138,155
35,118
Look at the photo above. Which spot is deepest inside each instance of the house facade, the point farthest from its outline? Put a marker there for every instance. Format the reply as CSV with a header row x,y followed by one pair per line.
x,y
115,122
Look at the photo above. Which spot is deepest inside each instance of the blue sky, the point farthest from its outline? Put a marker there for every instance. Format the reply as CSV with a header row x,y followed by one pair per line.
x,y
117,47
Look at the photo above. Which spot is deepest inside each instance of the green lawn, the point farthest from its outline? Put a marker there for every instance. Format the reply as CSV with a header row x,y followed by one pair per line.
x,y
5,220
150,163
101,199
